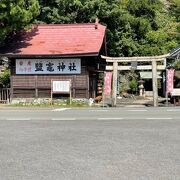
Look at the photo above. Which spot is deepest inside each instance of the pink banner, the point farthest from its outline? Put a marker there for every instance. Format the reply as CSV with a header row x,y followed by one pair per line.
x,y
107,83
169,80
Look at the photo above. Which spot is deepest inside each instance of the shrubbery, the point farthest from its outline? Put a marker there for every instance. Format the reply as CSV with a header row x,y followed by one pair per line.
x,y
5,78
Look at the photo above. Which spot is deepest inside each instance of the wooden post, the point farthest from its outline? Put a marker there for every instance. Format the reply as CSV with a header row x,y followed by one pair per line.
x,y
74,86
7,95
36,89
154,83
70,93
51,102
114,88
11,89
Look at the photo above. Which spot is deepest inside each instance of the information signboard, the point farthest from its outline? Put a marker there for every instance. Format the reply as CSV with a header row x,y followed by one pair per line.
x,y
175,92
61,87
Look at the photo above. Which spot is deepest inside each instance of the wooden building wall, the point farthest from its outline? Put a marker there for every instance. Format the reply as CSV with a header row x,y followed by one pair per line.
x,y
39,86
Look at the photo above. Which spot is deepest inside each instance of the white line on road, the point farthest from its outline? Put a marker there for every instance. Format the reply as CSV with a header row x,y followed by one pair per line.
x,y
98,110
137,110
19,119
61,109
155,118
110,118
173,110
63,119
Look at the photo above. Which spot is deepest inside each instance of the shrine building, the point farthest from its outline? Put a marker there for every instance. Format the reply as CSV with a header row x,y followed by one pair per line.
x,y
56,52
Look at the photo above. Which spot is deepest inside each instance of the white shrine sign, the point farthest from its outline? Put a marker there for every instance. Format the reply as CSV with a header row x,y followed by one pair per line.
x,y
48,66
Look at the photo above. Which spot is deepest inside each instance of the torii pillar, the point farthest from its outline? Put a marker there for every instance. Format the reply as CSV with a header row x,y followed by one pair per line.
x,y
154,83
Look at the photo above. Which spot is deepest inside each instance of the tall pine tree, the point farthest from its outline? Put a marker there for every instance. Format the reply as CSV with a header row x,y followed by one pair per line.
x,y
15,15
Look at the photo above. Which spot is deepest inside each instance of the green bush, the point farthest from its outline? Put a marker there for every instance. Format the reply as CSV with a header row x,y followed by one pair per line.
x,y
133,85
177,65
5,78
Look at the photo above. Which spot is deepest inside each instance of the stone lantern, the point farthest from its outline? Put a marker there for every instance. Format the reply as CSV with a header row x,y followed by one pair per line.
x,y
141,87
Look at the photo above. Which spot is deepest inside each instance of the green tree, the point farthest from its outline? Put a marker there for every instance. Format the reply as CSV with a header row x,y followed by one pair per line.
x,y
60,11
144,29
134,27
175,11
15,15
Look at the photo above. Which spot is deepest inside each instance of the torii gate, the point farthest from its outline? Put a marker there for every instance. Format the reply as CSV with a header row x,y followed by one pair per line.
x,y
154,67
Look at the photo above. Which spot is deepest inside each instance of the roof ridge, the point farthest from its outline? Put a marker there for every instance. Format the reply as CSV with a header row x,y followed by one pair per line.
x,y
81,25
75,24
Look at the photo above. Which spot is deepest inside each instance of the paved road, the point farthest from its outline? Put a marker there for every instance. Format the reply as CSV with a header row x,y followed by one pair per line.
x,y
90,114
90,144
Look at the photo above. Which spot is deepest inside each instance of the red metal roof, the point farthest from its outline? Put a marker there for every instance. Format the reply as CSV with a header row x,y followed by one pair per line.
x,y
60,39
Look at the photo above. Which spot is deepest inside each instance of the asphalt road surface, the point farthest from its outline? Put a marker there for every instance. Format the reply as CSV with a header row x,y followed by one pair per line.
x,y
90,144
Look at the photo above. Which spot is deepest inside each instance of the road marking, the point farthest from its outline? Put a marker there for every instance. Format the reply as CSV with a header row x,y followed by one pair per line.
x,y
137,110
173,110
163,118
63,119
98,110
15,119
110,118
61,109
